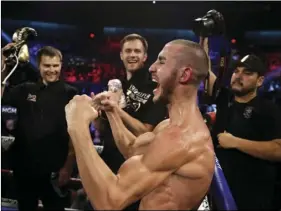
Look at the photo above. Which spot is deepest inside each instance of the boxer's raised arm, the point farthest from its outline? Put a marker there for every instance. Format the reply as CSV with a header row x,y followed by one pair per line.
x,y
137,177
123,138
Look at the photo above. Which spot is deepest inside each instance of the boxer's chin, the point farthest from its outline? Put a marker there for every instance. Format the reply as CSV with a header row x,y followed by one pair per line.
x,y
156,93
155,99
159,97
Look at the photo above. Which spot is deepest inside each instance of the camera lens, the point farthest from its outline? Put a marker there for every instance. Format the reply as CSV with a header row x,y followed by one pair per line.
x,y
203,26
210,24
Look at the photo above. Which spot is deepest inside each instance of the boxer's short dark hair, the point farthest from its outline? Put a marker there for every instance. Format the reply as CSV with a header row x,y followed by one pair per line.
x,y
48,51
132,37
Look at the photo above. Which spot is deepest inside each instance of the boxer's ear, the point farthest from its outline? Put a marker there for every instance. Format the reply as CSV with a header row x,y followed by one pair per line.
x,y
185,75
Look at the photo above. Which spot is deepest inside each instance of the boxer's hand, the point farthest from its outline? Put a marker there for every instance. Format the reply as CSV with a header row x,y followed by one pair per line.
x,y
105,101
227,140
80,110
97,99
108,104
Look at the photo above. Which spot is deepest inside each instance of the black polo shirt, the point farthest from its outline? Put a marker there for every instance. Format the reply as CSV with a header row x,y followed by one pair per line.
x,y
139,94
251,179
41,131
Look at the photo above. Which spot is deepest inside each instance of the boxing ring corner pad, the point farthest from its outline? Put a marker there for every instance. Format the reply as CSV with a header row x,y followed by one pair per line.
x,y
220,190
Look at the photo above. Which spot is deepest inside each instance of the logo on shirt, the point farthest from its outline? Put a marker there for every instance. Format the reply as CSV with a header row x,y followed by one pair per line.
x,y
134,98
31,98
9,110
248,112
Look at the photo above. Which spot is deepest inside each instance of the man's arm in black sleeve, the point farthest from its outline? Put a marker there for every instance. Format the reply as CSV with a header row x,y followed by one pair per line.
x,y
154,114
12,96
71,92
267,150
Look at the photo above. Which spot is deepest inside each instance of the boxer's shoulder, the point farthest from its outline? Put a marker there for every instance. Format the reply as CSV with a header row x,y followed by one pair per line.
x,y
161,126
200,156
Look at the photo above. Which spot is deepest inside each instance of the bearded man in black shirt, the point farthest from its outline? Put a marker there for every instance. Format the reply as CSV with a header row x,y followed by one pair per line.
x,y
247,134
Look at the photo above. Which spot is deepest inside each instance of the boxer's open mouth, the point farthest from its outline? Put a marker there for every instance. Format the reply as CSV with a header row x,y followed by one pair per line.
x,y
156,84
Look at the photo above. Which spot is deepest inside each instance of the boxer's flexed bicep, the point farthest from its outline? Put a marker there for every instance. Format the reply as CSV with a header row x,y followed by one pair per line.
x,y
143,142
141,174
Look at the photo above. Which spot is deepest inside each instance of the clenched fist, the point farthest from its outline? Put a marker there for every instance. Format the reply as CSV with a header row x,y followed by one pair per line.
x,y
105,101
79,111
227,140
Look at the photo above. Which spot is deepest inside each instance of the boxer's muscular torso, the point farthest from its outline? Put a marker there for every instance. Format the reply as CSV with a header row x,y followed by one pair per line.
x,y
184,189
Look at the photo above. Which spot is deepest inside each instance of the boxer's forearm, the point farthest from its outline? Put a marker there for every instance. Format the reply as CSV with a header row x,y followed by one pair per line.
x,y
123,138
97,179
134,125
267,150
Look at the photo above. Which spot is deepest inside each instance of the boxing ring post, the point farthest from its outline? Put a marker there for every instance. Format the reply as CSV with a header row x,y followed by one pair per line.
x,y
220,190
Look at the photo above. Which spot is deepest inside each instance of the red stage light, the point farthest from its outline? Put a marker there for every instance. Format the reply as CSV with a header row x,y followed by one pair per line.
x,y
233,41
92,35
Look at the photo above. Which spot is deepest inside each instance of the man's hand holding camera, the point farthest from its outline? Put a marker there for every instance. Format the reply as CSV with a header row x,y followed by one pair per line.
x,y
4,61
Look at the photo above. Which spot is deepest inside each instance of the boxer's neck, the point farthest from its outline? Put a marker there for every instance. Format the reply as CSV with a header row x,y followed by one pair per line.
x,y
182,107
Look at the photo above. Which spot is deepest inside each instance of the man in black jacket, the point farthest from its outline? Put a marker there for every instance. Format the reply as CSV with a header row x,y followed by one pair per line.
x,y
42,148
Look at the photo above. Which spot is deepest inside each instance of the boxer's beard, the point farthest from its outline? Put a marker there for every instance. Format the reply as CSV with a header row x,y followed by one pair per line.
x,y
168,89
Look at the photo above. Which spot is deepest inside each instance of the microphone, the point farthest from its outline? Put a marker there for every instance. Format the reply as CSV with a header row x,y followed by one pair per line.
x,y
18,51
115,86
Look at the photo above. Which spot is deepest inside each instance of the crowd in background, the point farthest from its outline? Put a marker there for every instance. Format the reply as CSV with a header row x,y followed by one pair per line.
x,y
95,72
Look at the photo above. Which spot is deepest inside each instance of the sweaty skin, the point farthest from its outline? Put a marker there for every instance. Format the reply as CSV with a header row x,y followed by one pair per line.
x,y
170,168
184,188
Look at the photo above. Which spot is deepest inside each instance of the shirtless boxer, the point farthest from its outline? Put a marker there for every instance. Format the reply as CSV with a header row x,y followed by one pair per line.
x,y
170,168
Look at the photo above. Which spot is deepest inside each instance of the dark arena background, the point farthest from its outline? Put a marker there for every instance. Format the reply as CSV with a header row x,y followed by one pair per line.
x,y
89,34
